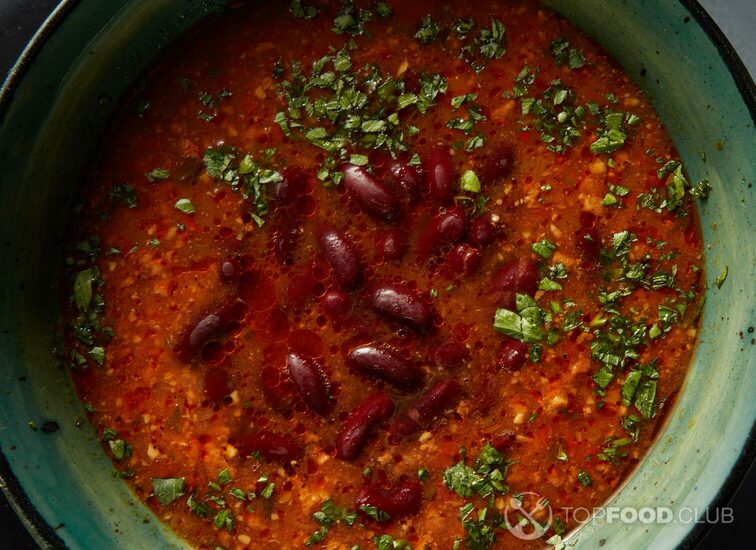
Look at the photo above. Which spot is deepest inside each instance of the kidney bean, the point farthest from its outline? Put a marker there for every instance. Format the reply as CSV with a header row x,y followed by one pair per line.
x,y
451,354
484,229
374,410
512,354
216,384
387,364
403,305
516,276
270,445
442,396
229,270
279,390
461,262
337,305
439,174
342,256
503,441
445,228
588,240
499,164
206,326
295,184
392,245
485,389
311,381
372,195
402,499
405,176
588,244
285,238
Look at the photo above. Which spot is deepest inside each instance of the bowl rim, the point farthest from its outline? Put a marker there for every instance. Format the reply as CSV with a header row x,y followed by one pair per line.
x,y
46,536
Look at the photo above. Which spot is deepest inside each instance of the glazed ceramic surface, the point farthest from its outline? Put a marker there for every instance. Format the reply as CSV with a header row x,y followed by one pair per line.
x,y
87,57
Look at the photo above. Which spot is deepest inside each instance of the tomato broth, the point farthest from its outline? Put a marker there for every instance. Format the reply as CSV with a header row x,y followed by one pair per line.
x,y
366,275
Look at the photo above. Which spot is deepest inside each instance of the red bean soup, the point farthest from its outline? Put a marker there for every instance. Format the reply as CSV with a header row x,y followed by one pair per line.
x,y
381,275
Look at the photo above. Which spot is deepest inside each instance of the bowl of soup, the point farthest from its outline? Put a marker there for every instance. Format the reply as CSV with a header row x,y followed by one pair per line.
x,y
376,275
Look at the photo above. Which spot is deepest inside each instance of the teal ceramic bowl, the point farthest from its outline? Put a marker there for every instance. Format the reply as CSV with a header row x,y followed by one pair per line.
x,y
87,54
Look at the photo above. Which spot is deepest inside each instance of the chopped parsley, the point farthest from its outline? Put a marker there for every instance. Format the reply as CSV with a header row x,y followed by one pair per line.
x,y
158,174
244,174
428,31
328,516
185,206
167,490
722,276
527,324
544,248
387,542
564,53
302,11
376,513
470,182
584,478
484,478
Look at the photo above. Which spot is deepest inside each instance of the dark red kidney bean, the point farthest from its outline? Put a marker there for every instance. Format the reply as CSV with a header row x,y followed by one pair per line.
x,y
337,305
403,305
485,389
484,229
341,254
451,355
443,229
499,164
587,219
588,244
404,426
271,446
294,184
442,396
229,270
278,388
392,245
206,326
439,174
503,441
374,410
405,176
588,240
387,364
216,384
311,381
372,195
285,238
402,499
512,354
516,276
461,262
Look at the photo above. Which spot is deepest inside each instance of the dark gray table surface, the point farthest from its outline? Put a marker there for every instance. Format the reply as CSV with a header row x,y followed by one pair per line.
x,y
737,18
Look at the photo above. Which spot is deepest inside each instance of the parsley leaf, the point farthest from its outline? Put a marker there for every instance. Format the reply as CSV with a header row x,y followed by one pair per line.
x,y
167,490
428,31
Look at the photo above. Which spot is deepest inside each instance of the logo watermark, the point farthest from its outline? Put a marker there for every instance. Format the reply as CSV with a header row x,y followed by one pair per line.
x,y
529,515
